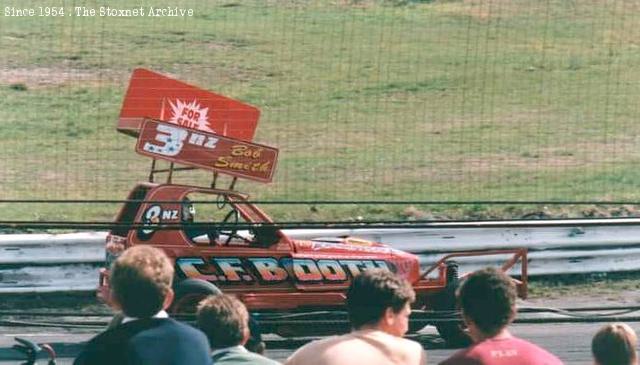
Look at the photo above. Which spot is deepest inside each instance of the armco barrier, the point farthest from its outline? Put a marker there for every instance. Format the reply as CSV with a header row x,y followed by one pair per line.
x,y
69,262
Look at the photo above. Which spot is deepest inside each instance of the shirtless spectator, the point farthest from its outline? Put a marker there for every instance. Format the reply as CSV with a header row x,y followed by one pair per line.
x,y
225,321
488,302
378,303
615,344
141,287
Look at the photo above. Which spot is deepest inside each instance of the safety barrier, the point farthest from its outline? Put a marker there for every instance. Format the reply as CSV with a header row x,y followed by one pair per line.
x,y
69,262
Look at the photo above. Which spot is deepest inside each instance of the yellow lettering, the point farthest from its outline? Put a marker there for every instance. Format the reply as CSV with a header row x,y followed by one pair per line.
x,y
228,162
238,150
237,166
244,151
222,162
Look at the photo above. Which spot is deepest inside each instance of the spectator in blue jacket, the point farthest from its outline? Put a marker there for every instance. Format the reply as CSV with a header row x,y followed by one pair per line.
x,y
141,288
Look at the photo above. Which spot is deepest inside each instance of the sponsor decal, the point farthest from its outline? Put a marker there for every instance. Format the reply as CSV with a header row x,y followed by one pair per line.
x,y
207,150
155,214
269,270
152,217
349,246
190,115
155,96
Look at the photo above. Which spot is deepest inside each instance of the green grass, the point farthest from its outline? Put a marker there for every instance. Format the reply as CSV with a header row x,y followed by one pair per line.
x,y
605,286
366,100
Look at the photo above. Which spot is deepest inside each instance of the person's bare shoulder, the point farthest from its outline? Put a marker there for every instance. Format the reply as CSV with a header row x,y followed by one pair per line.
x,y
301,355
414,353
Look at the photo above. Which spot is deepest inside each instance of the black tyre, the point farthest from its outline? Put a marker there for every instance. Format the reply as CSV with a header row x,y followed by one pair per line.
x,y
452,332
189,292
255,343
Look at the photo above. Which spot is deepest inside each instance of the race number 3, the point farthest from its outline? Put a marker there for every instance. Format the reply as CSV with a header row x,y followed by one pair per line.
x,y
172,139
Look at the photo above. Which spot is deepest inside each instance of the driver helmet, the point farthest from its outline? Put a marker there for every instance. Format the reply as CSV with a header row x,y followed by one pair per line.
x,y
188,211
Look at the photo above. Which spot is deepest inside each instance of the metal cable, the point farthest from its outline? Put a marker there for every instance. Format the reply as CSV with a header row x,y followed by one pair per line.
x,y
569,315
433,224
332,202
14,323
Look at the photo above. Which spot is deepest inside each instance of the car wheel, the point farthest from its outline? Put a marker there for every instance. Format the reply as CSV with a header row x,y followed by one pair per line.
x,y
188,293
453,332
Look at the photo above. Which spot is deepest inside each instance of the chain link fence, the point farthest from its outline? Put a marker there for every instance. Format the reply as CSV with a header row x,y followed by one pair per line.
x,y
366,100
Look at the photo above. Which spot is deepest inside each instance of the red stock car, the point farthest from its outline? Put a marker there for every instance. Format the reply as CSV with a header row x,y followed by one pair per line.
x,y
269,271
221,242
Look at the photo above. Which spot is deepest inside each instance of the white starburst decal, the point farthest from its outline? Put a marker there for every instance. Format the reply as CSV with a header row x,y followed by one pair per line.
x,y
190,115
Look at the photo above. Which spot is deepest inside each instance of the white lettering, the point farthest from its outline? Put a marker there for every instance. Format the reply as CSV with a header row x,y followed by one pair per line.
x,y
211,142
169,214
13,11
504,353
196,139
172,139
84,11
108,11
169,11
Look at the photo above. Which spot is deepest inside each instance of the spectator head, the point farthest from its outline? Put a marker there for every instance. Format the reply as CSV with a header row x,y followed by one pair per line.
x,y
224,319
488,302
615,344
380,299
141,281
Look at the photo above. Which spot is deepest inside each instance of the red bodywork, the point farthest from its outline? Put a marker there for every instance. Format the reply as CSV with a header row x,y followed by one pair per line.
x,y
268,271
207,151
234,246
156,96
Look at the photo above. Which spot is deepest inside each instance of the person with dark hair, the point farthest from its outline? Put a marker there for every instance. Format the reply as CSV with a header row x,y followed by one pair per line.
x,y
488,301
141,288
615,344
378,303
225,321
